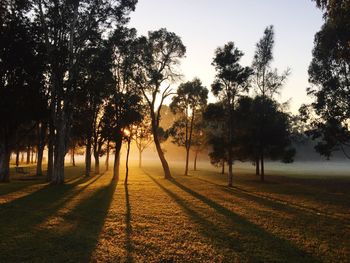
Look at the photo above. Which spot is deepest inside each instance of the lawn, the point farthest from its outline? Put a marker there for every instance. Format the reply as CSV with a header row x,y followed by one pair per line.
x,y
188,219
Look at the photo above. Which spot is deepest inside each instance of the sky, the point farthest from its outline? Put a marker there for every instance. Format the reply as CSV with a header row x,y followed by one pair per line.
x,y
204,25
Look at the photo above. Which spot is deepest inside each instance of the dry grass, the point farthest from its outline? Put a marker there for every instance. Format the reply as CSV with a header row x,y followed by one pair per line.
x,y
188,219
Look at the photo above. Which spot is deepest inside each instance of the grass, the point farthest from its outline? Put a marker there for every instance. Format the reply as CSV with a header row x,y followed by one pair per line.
x,y
188,219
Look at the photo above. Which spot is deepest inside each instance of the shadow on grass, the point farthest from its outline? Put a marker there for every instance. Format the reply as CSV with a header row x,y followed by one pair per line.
x,y
128,229
263,246
276,203
20,219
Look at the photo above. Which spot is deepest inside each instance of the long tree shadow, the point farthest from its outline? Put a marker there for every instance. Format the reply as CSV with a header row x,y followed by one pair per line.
x,y
265,243
128,229
73,239
277,203
21,217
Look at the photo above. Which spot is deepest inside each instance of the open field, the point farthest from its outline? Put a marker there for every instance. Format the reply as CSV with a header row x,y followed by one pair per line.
x,y
188,219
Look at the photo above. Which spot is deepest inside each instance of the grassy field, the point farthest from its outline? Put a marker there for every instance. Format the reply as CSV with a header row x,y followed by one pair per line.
x,y
188,219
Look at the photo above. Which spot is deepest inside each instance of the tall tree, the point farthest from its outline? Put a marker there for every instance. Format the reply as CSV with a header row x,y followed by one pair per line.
x,y
68,27
189,101
231,81
329,72
159,54
21,102
267,82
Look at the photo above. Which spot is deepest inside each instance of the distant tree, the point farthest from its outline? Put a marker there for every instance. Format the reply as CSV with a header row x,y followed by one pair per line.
x,y
189,101
231,81
159,54
199,140
267,82
277,132
142,135
214,116
329,114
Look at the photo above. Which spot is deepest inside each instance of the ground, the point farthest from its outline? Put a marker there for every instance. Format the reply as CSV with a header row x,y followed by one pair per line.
x,y
193,218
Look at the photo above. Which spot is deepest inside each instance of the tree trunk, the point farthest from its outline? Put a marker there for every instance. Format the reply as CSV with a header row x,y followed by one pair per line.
x,y
73,156
222,167
97,162
22,157
88,157
118,146
165,165
28,155
127,162
262,174
50,154
5,154
257,166
32,156
60,152
140,158
17,156
41,145
195,161
187,159
107,156
230,174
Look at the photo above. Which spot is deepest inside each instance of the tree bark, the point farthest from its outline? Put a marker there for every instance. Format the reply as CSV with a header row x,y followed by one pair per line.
x,y
230,173
257,166
73,156
127,162
60,152
40,148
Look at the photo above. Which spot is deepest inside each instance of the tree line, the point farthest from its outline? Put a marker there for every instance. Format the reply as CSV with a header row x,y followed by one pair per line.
x,y
74,75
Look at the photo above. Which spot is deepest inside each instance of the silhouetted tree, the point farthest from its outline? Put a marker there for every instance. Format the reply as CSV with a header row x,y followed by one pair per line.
x,y
189,101
159,54
267,82
231,81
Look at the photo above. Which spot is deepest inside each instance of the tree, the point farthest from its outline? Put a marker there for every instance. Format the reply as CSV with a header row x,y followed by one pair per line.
x,y
159,54
190,99
67,28
231,81
329,74
21,102
267,82
142,135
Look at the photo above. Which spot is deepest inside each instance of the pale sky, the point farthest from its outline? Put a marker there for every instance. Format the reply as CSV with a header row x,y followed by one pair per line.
x,y
204,25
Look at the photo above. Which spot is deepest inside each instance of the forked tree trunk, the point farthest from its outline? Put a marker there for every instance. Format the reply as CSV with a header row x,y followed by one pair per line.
x,y
127,163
